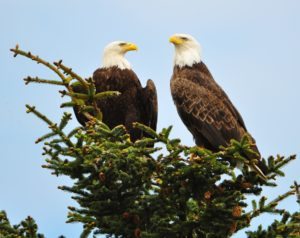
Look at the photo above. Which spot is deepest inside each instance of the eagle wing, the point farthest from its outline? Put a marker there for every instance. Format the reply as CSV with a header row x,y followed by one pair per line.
x,y
207,111
149,101
208,115
215,88
78,88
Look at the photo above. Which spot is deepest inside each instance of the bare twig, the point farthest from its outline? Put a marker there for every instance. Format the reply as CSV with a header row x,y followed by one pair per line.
x,y
36,58
52,126
39,80
69,71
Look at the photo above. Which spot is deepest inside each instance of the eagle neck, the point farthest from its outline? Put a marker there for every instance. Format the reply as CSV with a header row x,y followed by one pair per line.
x,y
178,69
115,60
187,57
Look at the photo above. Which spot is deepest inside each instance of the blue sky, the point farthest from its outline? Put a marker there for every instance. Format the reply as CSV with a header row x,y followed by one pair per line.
x,y
251,47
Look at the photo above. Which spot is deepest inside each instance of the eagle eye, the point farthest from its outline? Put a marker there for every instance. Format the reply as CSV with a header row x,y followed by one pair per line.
x,y
184,38
122,44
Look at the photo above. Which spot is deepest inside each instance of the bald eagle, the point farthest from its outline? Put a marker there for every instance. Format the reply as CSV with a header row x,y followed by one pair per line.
x,y
134,104
203,106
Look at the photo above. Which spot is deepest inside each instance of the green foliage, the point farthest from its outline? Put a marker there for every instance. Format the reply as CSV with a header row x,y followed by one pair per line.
x,y
288,226
126,189
26,229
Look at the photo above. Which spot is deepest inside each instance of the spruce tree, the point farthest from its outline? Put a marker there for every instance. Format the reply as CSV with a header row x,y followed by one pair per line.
x,y
126,189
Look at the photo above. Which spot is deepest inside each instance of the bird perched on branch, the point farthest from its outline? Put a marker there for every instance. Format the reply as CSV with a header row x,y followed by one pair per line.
x,y
203,106
134,104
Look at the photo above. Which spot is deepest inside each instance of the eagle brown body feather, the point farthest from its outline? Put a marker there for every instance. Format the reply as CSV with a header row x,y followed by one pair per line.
x,y
134,104
205,108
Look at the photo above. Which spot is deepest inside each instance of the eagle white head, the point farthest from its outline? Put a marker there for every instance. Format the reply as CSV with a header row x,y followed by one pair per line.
x,y
114,54
187,50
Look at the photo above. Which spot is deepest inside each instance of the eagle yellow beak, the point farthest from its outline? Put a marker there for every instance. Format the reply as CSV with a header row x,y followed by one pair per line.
x,y
176,40
130,46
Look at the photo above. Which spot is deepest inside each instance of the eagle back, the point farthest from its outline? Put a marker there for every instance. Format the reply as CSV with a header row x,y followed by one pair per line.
x,y
123,109
115,79
204,107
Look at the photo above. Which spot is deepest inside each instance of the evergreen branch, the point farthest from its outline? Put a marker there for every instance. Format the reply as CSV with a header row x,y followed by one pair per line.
x,y
31,109
69,71
84,108
146,129
25,229
280,162
85,97
87,84
68,104
270,206
52,126
64,121
289,226
98,112
45,81
74,95
297,189
72,190
44,137
107,94
74,131
36,58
